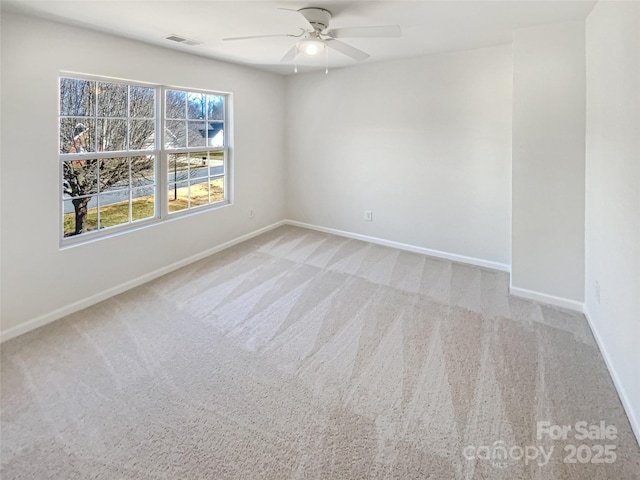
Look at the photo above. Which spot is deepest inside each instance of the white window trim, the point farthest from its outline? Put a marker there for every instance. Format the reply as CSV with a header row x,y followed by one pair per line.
x,y
161,181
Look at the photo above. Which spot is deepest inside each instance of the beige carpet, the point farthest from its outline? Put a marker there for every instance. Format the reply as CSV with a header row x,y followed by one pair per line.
x,y
300,355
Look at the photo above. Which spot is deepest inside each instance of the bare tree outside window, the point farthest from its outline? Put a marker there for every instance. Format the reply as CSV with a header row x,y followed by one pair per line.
x,y
99,117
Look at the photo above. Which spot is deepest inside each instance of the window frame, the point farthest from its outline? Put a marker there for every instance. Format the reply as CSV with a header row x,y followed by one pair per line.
x,y
225,149
161,174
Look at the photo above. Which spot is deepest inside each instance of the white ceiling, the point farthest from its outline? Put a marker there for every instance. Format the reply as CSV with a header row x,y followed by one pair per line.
x,y
428,26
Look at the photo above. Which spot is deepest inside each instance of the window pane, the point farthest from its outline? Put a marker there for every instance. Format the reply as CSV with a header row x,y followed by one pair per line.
x,y
114,174
216,163
142,134
112,99
68,218
216,188
114,208
142,102
199,160
80,177
198,170
66,188
143,171
197,108
215,107
199,192
178,167
77,135
178,195
197,134
80,216
77,97
112,135
175,104
143,205
215,134
175,135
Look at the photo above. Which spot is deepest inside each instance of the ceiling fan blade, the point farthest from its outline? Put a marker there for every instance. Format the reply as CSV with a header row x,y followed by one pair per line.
x,y
347,50
290,55
256,36
309,26
384,31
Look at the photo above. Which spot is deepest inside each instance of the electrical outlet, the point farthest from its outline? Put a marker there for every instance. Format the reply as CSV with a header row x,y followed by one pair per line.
x,y
251,213
598,292
368,215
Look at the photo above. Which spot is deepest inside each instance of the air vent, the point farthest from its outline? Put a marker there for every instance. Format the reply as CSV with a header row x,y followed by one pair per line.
x,y
183,40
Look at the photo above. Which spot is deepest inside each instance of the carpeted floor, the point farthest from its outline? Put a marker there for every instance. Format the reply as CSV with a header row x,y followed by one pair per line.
x,y
301,355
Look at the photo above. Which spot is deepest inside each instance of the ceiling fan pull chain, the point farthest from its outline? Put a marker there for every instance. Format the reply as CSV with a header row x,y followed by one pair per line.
x,y
326,59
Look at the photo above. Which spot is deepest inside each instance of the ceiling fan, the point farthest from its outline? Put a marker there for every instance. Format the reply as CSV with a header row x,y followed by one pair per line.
x,y
317,37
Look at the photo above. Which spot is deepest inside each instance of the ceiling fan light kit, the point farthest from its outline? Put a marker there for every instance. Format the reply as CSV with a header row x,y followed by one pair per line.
x,y
319,38
311,47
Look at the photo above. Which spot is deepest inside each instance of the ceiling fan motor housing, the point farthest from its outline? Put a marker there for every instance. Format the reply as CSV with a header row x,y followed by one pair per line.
x,y
317,17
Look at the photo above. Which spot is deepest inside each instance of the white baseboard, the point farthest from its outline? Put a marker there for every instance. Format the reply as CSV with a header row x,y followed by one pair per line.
x,y
404,246
546,298
98,297
626,403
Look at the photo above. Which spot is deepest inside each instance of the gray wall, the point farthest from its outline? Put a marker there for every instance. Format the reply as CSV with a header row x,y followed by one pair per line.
x,y
613,192
548,163
424,143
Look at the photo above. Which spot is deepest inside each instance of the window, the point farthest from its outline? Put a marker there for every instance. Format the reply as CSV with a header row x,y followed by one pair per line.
x,y
127,158
194,138
108,154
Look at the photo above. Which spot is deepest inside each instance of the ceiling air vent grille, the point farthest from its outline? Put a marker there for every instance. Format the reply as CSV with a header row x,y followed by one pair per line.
x,y
183,40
